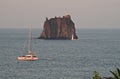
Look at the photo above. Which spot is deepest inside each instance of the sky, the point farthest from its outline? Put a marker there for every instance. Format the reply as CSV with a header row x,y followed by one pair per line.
x,y
84,13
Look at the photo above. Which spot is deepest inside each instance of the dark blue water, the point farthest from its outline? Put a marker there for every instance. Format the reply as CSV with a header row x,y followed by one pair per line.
x,y
96,49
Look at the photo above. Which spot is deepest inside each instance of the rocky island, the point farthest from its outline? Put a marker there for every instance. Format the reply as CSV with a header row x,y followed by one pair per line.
x,y
59,28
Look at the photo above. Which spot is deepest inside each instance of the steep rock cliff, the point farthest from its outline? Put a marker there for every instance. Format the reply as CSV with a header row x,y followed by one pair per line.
x,y
59,28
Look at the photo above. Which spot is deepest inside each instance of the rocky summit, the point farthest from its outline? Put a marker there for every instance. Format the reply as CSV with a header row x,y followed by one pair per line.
x,y
59,28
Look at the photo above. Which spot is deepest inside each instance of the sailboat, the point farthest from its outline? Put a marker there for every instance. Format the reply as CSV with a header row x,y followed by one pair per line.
x,y
72,38
30,55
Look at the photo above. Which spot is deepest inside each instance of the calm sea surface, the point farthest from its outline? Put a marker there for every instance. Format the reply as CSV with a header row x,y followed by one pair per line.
x,y
95,50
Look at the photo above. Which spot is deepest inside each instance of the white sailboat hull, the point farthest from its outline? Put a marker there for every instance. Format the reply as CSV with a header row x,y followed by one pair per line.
x,y
28,58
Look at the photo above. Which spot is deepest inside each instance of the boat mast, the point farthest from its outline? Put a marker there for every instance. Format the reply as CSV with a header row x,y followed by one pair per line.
x,y
30,39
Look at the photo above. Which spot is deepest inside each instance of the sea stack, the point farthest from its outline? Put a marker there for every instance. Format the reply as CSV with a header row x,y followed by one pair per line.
x,y
59,28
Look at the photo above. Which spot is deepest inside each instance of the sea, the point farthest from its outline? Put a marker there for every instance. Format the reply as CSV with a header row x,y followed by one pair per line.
x,y
94,50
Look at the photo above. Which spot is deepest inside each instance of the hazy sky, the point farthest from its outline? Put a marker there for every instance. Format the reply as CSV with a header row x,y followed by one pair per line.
x,y
85,13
